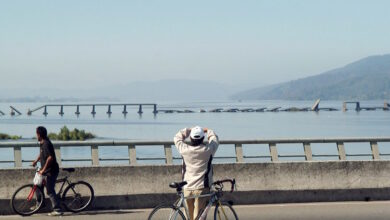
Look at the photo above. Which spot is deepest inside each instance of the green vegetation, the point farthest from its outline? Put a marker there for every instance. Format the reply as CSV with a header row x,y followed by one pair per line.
x,y
65,135
9,137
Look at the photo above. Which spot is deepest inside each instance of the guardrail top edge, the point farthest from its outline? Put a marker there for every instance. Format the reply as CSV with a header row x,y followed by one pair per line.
x,y
169,142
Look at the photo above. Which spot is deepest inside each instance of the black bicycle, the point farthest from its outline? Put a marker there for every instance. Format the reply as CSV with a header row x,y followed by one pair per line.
x,y
222,210
75,197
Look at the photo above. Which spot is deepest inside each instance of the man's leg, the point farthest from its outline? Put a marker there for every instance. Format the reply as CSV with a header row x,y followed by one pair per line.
x,y
190,204
50,189
200,203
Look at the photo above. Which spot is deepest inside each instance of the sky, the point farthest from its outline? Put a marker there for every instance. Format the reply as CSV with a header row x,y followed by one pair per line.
x,y
91,43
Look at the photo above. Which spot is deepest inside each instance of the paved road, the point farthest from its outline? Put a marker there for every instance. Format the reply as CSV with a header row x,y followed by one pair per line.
x,y
303,211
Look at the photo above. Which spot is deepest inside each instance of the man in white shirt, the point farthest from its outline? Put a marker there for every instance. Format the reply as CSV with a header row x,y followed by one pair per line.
x,y
197,164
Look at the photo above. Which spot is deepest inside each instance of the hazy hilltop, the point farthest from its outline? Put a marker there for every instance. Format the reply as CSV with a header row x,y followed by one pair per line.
x,y
146,91
169,90
368,78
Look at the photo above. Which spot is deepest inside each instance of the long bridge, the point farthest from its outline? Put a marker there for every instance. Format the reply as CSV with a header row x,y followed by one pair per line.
x,y
93,107
140,106
385,107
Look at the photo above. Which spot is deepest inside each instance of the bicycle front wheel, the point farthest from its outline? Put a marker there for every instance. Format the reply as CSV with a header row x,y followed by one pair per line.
x,y
166,212
224,211
78,196
27,200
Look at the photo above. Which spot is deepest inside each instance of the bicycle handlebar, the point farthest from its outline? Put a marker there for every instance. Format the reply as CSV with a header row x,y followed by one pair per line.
x,y
231,181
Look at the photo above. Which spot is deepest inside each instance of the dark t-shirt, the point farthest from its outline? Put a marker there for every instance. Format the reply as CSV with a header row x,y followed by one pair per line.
x,y
46,150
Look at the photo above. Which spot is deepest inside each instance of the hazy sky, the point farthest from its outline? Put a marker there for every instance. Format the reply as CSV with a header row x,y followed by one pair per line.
x,y
69,44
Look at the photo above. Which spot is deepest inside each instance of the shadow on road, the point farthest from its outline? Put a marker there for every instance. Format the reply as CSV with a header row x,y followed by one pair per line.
x,y
104,212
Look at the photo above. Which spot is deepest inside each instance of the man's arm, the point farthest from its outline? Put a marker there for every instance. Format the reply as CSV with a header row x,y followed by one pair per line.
x,y
47,164
179,139
213,140
34,163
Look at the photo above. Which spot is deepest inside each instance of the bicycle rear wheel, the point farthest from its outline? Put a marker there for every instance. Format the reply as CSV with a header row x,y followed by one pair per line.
x,y
78,196
224,212
166,212
27,200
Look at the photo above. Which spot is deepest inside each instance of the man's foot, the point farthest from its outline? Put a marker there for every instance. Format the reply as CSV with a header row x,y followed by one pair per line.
x,y
55,213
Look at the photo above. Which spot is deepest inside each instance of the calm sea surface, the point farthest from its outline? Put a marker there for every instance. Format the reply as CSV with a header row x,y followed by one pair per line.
x,y
227,125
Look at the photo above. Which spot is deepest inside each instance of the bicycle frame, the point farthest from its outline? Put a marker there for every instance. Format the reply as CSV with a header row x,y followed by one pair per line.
x,y
213,198
215,195
63,181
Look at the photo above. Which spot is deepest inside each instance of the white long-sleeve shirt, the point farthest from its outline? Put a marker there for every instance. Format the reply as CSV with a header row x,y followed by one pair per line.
x,y
197,168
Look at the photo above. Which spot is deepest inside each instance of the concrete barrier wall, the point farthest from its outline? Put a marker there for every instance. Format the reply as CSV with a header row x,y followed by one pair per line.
x,y
278,182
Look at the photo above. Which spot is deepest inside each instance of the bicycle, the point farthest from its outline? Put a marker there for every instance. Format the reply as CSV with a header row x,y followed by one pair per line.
x,y
29,199
222,210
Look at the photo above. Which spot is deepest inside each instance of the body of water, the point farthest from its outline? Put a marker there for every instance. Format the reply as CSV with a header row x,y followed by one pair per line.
x,y
240,125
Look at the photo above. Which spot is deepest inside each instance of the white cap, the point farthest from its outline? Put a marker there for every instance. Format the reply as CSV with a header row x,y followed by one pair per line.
x,y
197,133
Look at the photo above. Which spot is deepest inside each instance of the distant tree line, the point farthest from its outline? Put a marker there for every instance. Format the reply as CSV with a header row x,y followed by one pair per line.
x,y
9,137
66,135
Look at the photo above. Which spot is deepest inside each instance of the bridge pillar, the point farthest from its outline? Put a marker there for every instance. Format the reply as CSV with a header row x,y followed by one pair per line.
x,y
77,110
45,111
140,109
124,110
345,107
93,111
358,106
14,111
109,112
61,110
155,109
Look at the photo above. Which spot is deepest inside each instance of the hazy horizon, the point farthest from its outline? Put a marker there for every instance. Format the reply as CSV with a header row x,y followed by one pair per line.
x,y
94,44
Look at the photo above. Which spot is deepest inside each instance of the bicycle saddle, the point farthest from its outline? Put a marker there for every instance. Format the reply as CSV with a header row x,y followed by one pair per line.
x,y
176,185
70,170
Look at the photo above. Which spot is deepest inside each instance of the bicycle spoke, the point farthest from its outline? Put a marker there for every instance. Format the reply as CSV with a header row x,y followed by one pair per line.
x,y
173,215
224,212
221,212
27,200
78,196
166,212
24,205
76,201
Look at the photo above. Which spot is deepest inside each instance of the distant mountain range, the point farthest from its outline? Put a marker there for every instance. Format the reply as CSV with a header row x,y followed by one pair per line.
x,y
365,79
151,91
368,78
